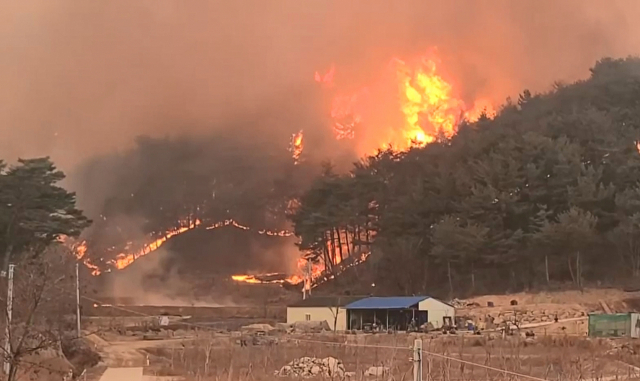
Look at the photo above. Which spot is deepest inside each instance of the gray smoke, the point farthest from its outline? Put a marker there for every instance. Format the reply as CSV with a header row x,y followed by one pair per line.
x,y
84,78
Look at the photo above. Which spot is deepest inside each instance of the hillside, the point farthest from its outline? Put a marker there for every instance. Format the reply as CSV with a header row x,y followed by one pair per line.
x,y
545,192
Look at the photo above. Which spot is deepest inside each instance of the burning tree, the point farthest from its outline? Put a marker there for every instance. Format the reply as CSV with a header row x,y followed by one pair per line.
x,y
551,180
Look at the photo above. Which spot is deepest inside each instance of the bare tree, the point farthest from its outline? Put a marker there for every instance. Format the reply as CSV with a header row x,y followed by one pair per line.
x,y
43,306
335,311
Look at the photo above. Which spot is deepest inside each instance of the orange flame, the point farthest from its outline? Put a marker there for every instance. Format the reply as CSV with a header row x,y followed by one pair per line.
x,y
123,260
79,249
345,114
296,146
317,271
427,106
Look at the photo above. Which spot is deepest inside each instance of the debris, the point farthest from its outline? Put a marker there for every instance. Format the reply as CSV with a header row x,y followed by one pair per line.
x,y
377,371
284,327
427,327
605,307
311,326
256,328
619,349
312,367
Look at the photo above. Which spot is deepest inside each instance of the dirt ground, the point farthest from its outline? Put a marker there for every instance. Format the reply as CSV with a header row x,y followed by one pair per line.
x,y
215,357
537,312
559,351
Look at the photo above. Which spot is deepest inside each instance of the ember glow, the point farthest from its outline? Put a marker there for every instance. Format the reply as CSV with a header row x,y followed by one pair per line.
x,y
123,260
126,258
424,106
318,273
296,146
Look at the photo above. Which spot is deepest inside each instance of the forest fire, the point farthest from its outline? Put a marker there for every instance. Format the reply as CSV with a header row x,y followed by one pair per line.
x,y
296,146
425,103
125,259
412,104
313,273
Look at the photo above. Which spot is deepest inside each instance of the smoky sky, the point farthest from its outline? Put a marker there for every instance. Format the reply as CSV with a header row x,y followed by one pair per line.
x,y
82,78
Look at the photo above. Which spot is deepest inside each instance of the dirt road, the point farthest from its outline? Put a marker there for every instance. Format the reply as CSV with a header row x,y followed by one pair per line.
x,y
121,374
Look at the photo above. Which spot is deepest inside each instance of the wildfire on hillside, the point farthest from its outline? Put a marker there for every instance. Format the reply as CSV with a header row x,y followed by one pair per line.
x,y
425,106
412,104
317,275
125,259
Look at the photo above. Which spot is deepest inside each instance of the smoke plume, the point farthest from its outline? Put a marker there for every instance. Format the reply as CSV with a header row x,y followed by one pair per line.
x,y
82,80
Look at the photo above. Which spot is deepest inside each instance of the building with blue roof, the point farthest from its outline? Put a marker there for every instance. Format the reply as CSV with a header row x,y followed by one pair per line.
x,y
397,312
357,313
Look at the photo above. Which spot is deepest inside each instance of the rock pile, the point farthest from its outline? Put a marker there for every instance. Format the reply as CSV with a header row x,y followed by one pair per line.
x,y
377,371
313,367
311,326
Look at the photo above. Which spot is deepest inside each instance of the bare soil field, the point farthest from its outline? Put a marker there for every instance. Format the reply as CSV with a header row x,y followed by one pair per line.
x,y
206,356
205,343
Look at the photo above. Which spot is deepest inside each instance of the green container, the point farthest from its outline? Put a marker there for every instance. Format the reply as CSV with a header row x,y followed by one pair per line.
x,y
610,325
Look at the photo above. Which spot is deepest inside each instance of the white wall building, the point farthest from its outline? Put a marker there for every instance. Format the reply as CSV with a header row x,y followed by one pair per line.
x,y
328,308
437,311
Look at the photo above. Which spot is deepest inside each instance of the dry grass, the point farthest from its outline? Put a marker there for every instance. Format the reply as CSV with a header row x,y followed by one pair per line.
x,y
448,358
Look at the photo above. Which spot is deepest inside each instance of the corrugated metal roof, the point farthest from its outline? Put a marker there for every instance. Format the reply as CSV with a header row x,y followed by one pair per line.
x,y
326,301
386,303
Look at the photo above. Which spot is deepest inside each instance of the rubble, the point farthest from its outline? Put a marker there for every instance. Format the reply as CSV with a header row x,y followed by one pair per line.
x,y
620,349
313,367
284,327
377,371
256,328
311,326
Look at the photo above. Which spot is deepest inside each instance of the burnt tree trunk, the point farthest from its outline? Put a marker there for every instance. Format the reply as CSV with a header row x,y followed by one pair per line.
x,y
346,240
332,245
339,239
546,268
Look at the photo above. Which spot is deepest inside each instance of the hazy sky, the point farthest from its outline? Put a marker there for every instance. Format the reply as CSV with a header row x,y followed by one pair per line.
x,y
80,78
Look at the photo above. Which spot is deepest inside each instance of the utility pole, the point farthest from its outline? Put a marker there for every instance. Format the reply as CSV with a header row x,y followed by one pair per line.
x,y
78,300
417,360
7,342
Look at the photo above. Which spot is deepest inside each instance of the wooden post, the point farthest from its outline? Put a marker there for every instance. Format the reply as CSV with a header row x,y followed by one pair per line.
x,y
78,327
417,360
7,342
387,320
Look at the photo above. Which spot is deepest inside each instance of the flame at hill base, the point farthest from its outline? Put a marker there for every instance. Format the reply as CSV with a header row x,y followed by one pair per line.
x,y
125,259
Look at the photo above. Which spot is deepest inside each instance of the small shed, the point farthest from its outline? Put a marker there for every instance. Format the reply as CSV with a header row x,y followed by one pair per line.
x,y
328,308
397,312
614,325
